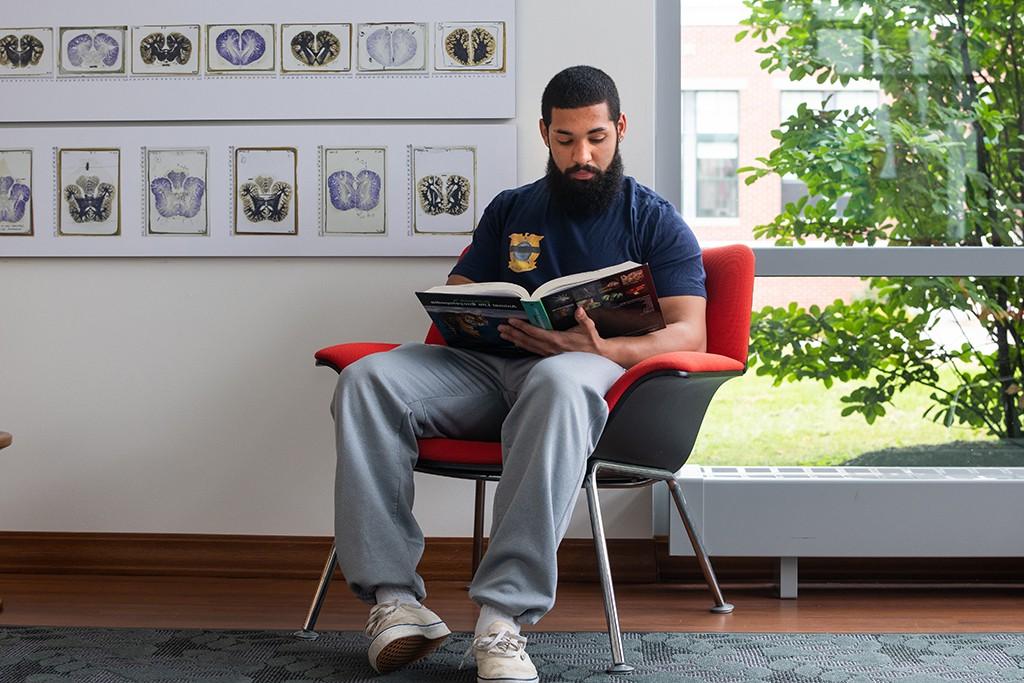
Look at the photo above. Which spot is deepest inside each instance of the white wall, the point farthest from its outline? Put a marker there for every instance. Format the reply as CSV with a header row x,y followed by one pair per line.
x,y
179,396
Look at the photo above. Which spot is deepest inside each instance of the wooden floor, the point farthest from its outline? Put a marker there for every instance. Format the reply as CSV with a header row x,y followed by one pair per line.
x,y
281,605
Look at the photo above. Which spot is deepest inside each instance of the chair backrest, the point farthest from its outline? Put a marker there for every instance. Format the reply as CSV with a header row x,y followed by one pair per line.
x,y
730,287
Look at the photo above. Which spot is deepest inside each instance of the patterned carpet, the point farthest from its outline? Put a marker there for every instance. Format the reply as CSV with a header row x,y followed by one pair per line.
x,y
91,655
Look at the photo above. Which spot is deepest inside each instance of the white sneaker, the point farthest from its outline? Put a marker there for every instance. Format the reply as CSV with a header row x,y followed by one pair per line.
x,y
501,656
401,633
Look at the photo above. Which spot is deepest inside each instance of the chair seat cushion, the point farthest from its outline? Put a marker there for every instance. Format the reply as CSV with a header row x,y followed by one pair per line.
x,y
340,356
457,450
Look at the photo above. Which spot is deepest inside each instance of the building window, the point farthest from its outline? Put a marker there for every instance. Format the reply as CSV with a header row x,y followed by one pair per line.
x,y
710,154
792,187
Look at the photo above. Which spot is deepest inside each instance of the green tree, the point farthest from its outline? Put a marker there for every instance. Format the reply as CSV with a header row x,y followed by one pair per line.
x,y
939,162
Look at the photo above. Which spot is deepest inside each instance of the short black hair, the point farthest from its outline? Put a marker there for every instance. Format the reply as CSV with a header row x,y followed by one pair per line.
x,y
579,86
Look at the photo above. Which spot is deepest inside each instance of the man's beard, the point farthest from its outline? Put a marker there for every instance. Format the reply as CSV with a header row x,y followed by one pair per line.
x,y
585,197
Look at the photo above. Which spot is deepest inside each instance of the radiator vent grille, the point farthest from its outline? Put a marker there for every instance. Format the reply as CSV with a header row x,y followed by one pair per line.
x,y
857,473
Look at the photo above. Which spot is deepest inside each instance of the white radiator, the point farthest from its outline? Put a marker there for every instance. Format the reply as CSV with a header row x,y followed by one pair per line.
x,y
789,512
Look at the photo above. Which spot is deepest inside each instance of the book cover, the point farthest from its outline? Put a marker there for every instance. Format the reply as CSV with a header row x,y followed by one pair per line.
x,y
470,321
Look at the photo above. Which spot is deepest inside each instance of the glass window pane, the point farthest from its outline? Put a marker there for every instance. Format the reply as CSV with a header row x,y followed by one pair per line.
x,y
855,98
717,112
791,100
792,191
717,198
718,150
710,153
949,412
716,168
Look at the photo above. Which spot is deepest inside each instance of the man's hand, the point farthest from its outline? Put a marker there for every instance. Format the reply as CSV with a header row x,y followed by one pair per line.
x,y
684,331
583,337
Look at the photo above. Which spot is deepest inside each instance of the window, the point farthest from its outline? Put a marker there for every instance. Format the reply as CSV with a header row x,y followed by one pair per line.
x,y
711,154
944,312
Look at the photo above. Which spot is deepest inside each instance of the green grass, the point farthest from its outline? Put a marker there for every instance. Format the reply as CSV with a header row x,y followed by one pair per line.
x,y
751,422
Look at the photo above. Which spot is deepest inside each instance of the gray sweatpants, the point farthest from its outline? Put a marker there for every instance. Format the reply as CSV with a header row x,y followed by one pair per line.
x,y
549,414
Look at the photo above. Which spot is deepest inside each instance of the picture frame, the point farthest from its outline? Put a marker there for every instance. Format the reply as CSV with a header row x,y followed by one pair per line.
x,y
89,192
266,200
354,190
92,50
17,210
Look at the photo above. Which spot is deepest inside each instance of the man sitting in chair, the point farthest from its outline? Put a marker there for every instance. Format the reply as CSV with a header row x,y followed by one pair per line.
x,y
548,408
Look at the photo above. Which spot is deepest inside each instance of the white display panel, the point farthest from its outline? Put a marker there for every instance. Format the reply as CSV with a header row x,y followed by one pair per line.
x,y
398,74
146,154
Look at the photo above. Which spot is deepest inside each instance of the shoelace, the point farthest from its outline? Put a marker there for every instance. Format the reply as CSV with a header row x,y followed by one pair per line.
x,y
380,612
504,644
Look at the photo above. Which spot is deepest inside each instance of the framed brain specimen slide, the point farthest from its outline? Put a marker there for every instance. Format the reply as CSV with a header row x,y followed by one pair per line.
x,y
247,48
354,191
470,46
266,201
176,190
165,50
392,47
26,52
316,48
15,192
89,192
443,190
92,50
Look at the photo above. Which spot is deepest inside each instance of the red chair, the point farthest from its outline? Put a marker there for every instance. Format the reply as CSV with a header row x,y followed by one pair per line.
x,y
655,412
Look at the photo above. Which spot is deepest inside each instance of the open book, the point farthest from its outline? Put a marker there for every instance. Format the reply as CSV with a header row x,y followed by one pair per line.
x,y
619,299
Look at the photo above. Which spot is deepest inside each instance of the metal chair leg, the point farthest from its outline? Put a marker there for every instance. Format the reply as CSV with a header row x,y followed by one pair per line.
x,y
721,606
478,525
307,632
611,614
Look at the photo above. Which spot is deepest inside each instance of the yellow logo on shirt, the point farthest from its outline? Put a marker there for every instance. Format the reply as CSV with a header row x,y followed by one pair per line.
x,y
523,251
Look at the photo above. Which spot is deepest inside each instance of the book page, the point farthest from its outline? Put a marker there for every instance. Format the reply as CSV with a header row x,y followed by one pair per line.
x,y
484,289
567,281
623,303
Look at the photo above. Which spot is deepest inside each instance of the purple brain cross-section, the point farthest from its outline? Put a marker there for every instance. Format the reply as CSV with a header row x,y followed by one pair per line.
x,y
241,49
178,194
14,198
361,191
92,52
391,47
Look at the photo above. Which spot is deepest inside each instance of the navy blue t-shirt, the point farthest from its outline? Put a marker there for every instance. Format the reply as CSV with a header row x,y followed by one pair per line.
x,y
525,237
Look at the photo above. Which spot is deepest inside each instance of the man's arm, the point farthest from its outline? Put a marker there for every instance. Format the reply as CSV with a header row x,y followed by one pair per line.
x,y
458,280
685,330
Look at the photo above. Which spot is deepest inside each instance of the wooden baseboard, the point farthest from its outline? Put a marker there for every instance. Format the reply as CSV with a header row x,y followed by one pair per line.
x,y
303,557
285,557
